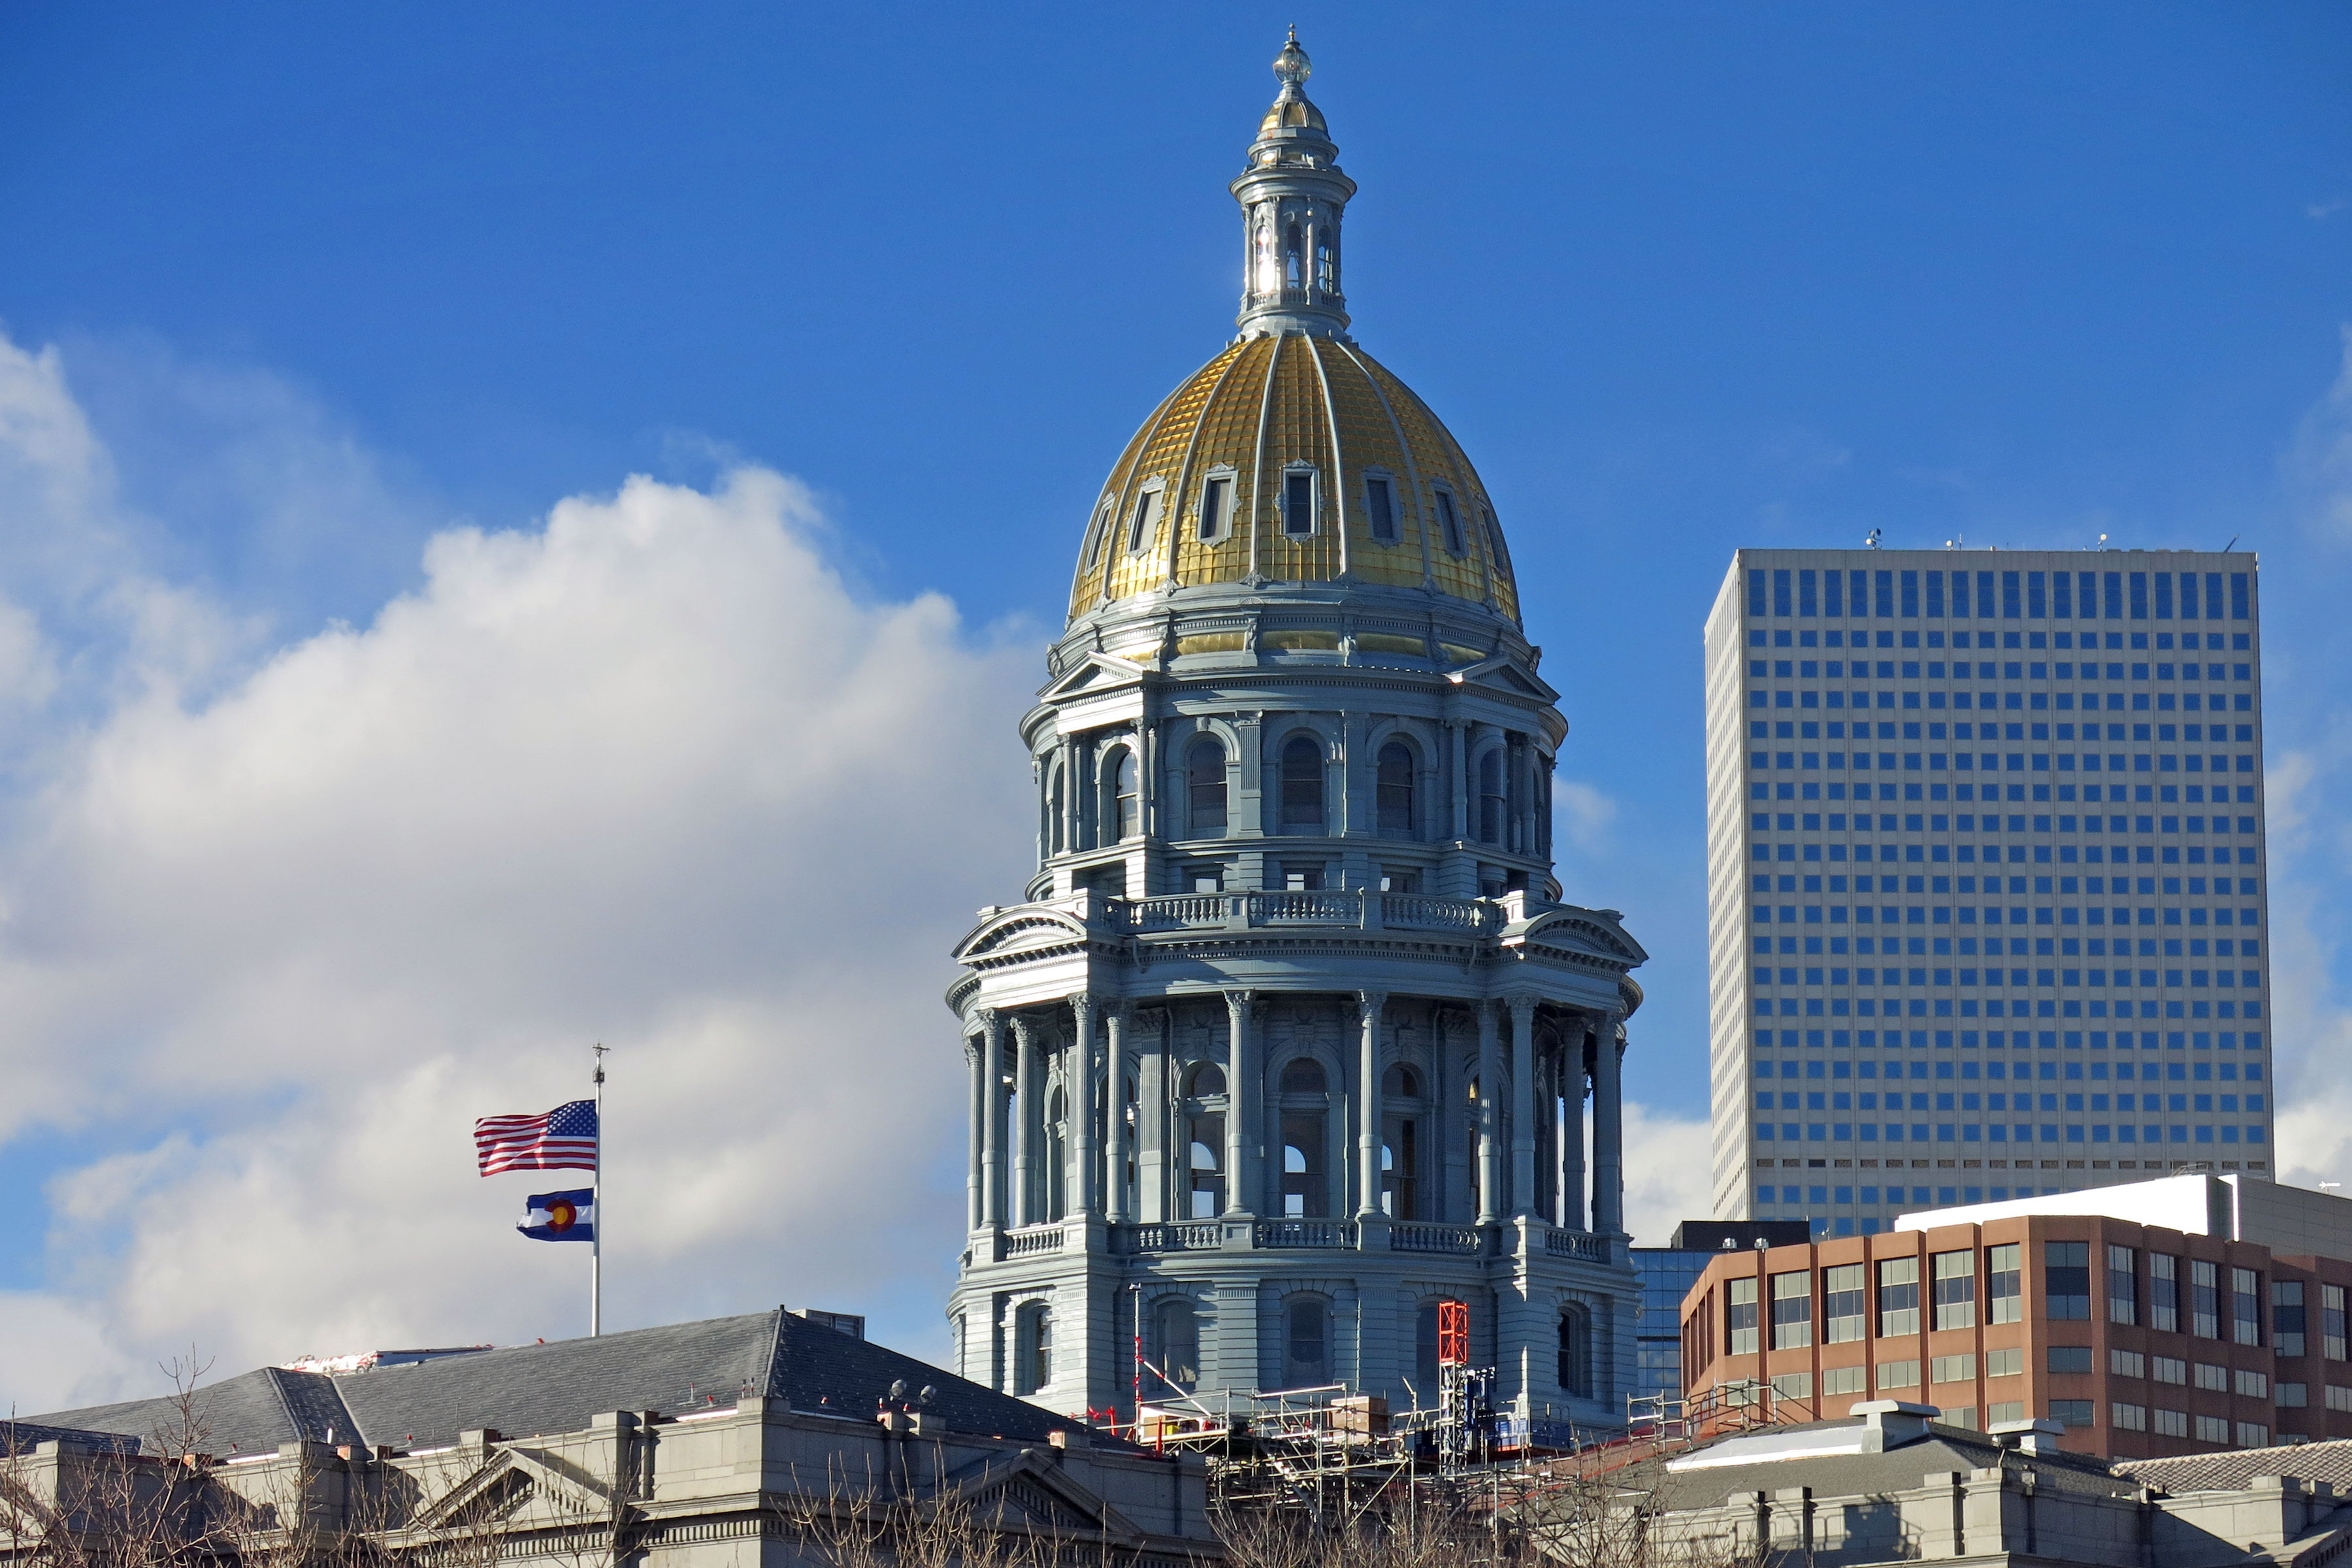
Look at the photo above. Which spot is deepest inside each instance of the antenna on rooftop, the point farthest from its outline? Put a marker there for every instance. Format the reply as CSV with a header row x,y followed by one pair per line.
x,y
1873,539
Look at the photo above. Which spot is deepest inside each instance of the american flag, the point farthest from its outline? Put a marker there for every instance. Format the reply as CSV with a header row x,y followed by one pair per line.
x,y
564,1139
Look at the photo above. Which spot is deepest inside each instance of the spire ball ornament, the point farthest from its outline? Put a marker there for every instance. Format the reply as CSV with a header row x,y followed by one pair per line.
x,y
1292,66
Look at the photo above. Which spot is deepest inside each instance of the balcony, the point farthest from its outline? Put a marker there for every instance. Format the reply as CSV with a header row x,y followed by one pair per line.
x,y
1360,909
1252,1235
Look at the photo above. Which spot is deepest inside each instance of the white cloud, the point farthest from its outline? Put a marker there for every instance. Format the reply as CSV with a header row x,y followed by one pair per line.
x,y
1666,1174
1581,815
651,775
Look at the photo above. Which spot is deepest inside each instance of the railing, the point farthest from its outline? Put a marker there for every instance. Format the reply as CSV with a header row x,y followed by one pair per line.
x,y
1035,1239
1581,1244
1200,1237
1463,1240
1317,1232
1358,908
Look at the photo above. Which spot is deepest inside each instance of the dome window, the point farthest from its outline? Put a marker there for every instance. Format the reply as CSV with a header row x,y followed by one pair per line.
x,y
1216,506
1298,502
1379,506
1124,813
1145,523
1396,789
1493,804
1450,522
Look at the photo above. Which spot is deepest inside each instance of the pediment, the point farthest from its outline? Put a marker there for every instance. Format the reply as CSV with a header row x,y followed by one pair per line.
x,y
1013,931
513,1482
1592,932
1094,674
1504,673
1028,1491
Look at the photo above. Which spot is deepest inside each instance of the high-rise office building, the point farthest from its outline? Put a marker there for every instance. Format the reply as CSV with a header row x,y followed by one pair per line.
x,y
1986,877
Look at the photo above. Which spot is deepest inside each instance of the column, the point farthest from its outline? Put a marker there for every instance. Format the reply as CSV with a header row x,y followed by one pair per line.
x,y
1241,1103
1026,1081
1490,1073
1607,1128
975,1176
1074,795
1459,751
1079,1079
991,1151
1523,1104
1369,1005
1120,1141
1572,1140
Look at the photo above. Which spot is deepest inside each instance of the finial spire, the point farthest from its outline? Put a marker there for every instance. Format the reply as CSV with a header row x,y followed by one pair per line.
x,y
1292,195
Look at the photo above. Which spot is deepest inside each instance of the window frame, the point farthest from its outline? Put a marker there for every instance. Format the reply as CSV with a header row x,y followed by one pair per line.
x,y
1388,483
1143,521
1297,469
1451,535
1222,530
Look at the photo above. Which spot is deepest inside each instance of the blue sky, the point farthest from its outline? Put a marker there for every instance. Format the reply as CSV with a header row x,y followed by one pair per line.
x,y
325,283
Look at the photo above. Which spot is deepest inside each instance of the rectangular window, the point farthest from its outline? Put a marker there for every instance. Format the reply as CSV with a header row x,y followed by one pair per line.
x,y
2066,1279
2254,1434
2169,1422
1380,508
2213,1379
2168,1369
1448,523
2246,1306
2248,1384
1898,1296
2068,1360
2127,1364
2204,1300
1793,1385
1955,1290
2128,1417
2074,1415
1216,496
1145,524
1298,503
2292,1396
2331,1321
2005,1364
2212,1429
2004,1283
1842,1379
1843,1307
2287,1324
1900,1374
2123,1286
1792,1311
2163,1293
2340,1397
1740,1317
1952,1369
2002,1410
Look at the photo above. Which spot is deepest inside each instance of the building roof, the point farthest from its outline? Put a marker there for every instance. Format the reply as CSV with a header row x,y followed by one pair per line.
x,y
2330,1462
1260,406
1845,1473
556,1387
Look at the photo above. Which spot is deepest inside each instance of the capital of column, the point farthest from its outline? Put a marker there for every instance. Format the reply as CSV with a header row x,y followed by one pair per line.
x,y
1242,1004
1523,1005
1369,1005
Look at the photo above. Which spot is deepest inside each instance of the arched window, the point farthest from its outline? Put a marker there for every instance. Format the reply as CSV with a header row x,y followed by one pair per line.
x,y
1291,253
1396,785
1493,804
1180,1343
1326,276
1123,811
1055,816
1032,1352
1204,1179
1056,1172
1204,789
1306,1115
1401,1083
1268,276
1306,1343
1576,1349
1302,786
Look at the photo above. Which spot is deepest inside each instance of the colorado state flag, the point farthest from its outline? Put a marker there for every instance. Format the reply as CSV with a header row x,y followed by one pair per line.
x,y
560,1217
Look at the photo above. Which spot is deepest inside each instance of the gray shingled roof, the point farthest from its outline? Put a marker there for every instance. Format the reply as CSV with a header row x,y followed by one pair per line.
x,y
527,1389
2330,1462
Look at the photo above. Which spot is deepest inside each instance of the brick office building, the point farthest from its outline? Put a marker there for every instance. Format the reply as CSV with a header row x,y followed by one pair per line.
x,y
2143,1340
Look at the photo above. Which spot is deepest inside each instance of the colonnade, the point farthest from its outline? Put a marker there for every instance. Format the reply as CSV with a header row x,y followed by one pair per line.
x,y
1005,1188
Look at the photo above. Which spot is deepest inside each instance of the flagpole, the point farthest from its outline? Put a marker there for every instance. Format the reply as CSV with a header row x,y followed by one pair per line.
x,y
596,1207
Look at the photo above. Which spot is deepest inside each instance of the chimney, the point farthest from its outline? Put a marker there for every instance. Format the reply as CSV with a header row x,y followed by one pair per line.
x,y
2035,1436
1892,1422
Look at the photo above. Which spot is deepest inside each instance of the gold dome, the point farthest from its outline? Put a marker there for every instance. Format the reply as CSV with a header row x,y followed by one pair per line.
x,y
1407,509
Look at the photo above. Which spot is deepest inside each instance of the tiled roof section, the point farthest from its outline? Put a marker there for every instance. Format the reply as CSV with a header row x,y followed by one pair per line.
x,y
529,1389
2330,1462
24,1436
252,1413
